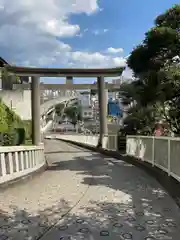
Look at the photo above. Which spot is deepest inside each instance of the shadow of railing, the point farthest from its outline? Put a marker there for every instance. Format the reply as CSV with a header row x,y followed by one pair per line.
x,y
119,201
138,205
98,219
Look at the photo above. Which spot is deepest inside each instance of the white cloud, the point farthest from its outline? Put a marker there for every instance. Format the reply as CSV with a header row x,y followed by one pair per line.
x,y
100,31
114,50
127,73
96,59
31,33
54,27
96,32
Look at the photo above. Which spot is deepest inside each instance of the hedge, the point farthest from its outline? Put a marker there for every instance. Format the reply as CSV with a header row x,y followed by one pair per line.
x,y
13,130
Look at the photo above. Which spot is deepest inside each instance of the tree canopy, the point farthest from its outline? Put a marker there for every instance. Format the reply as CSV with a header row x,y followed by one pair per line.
x,y
74,113
161,43
59,108
157,87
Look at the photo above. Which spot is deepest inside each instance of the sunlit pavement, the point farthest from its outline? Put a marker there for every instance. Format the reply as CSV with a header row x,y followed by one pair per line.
x,y
84,195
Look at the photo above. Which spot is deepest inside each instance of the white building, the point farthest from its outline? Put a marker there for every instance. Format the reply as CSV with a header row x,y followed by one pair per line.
x,y
87,112
85,99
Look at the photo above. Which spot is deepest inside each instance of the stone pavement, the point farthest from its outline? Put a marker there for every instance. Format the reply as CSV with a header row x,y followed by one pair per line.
x,y
84,195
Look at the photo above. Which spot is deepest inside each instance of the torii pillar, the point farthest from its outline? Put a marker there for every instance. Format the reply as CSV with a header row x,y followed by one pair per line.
x,y
69,80
35,110
102,98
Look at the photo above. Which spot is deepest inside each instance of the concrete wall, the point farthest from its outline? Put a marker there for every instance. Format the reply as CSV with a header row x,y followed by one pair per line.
x,y
19,101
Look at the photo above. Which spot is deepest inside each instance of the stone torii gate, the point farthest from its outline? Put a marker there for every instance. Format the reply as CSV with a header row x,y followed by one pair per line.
x,y
36,73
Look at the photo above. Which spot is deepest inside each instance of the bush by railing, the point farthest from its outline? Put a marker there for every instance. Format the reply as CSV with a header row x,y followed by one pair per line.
x,y
13,137
13,130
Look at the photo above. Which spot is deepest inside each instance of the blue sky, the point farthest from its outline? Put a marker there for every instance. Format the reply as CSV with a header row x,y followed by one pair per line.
x,y
74,33
126,21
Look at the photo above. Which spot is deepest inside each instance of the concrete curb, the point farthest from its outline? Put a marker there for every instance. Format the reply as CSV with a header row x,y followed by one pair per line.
x,y
171,185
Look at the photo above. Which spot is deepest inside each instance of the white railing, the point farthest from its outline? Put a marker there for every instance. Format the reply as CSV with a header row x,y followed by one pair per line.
x,y
163,152
18,161
92,140
77,138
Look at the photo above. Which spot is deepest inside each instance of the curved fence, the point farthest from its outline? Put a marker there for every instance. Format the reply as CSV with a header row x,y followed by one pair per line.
x,y
19,161
162,152
92,140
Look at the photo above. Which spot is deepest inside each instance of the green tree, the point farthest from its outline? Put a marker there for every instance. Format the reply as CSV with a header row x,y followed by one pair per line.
x,y
11,125
161,44
59,108
74,113
171,18
169,95
3,118
157,88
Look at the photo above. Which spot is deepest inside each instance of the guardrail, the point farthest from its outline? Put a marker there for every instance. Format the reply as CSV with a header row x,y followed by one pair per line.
x,y
86,139
19,161
162,152
92,140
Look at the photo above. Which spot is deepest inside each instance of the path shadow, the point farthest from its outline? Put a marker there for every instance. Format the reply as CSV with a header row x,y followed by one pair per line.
x,y
97,220
148,204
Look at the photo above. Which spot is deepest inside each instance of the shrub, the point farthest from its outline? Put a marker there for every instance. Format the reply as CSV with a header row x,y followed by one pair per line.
x,y
13,130
9,138
21,133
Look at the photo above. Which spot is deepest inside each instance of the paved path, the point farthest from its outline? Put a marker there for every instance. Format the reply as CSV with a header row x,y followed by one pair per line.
x,y
83,195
